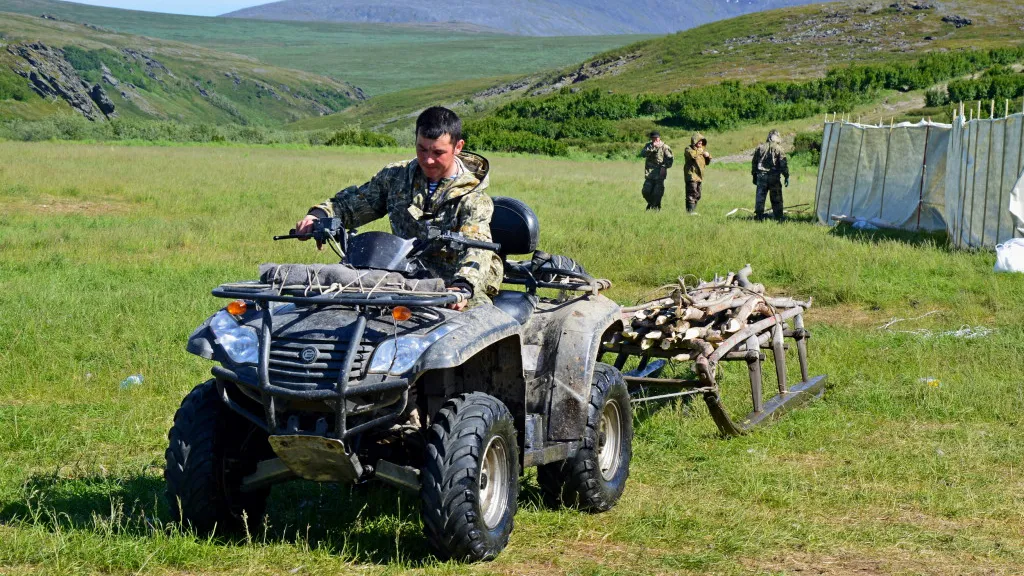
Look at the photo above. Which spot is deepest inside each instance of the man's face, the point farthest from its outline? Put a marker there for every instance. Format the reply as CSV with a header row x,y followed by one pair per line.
x,y
437,157
656,140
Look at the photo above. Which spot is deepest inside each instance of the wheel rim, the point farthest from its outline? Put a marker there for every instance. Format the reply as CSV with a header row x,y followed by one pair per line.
x,y
493,481
609,440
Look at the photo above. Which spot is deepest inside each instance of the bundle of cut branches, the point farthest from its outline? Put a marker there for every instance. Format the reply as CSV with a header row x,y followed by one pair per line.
x,y
688,322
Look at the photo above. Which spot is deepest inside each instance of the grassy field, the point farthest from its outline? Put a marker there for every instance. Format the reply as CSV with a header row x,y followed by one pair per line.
x,y
108,253
377,58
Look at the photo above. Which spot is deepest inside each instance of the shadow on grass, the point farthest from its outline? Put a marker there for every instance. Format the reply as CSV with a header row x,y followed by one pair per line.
x,y
939,240
369,523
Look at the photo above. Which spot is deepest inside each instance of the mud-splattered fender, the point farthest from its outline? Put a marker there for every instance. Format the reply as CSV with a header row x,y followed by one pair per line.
x,y
569,337
475,330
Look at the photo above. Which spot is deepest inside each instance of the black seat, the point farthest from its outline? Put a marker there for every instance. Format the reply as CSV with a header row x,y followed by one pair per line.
x,y
514,226
518,305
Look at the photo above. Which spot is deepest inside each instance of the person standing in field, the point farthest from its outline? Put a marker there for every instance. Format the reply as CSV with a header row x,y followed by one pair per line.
x,y
767,168
657,160
697,159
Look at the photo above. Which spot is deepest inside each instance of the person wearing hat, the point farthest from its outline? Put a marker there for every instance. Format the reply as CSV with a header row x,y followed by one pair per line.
x,y
768,167
657,160
697,158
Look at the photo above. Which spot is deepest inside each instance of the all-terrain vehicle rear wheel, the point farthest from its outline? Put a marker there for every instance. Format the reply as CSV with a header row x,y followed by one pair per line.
x,y
470,482
593,479
210,450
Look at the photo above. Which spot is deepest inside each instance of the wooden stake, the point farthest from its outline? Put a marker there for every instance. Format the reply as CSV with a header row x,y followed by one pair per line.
x,y
992,111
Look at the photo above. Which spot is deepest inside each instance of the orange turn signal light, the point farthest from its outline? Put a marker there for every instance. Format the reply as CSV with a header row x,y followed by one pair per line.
x,y
401,313
237,307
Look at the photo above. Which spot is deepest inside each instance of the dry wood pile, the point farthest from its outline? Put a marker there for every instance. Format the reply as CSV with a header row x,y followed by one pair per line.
x,y
691,322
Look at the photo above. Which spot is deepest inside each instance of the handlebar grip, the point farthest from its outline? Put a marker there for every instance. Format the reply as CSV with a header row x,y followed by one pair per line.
x,y
492,246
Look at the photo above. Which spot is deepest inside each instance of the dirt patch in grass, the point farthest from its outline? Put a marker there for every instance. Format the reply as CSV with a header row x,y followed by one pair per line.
x,y
83,207
849,316
860,564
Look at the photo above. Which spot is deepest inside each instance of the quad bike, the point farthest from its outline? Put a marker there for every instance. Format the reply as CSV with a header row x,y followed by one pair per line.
x,y
358,371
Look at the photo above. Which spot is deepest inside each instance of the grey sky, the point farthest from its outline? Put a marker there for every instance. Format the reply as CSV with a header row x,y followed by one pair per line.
x,y
195,7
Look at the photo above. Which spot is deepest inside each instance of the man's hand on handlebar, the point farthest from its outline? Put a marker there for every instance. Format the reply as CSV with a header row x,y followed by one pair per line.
x,y
305,226
465,289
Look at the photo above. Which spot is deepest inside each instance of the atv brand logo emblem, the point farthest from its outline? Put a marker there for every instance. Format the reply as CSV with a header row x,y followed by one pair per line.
x,y
309,354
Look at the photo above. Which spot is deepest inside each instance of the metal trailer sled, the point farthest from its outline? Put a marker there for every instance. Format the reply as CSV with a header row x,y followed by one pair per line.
x,y
723,320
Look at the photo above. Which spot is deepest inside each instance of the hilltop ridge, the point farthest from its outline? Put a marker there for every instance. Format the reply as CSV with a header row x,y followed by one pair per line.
x,y
527,17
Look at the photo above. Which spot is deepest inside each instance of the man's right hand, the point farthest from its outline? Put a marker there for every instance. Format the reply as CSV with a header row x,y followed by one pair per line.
x,y
305,226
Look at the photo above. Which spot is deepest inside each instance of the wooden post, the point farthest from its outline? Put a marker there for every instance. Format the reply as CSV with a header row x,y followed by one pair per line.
x,y
988,177
992,112
856,172
885,171
828,207
963,171
821,169
754,369
1002,174
779,352
974,177
924,171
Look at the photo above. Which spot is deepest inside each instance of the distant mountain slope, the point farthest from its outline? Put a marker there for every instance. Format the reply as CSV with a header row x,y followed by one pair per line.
x,y
379,58
47,65
528,17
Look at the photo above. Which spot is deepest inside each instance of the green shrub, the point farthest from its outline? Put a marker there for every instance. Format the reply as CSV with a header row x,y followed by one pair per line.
x,y
807,147
935,97
361,138
13,87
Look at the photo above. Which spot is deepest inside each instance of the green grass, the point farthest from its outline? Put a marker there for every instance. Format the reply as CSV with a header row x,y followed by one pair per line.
x,y
202,85
108,253
377,58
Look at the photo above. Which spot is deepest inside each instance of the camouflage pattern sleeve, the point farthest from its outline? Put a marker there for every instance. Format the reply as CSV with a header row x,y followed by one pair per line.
x,y
480,268
754,161
783,163
358,205
668,156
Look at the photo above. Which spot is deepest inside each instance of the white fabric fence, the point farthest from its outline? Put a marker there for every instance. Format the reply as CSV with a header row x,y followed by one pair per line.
x,y
965,178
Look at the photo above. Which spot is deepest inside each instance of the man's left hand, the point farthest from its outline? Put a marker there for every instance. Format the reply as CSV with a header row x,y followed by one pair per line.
x,y
460,306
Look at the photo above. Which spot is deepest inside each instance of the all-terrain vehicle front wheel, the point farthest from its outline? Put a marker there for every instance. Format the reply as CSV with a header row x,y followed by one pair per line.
x,y
470,482
210,450
593,479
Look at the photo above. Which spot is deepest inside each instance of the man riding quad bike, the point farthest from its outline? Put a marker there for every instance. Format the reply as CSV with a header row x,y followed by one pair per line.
x,y
371,369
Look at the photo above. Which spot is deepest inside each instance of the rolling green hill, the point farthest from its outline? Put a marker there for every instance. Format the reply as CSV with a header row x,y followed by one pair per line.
x,y
378,58
148,78
794,45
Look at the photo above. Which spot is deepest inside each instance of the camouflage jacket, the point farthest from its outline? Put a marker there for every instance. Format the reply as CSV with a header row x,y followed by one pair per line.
x,y
655,160
695,161
459,205
769,159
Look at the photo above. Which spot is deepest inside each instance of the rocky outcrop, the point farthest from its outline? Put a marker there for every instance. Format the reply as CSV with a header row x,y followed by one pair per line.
x,y
99,96
151,67
957,21
52,76
593,69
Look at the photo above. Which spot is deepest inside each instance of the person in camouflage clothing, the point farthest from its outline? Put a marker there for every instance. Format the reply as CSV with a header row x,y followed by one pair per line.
x,y
767,168
442,187
697,158
657,160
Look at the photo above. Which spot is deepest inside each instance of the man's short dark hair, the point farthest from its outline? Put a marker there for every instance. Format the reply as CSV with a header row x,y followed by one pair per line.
x,y
437,121
654,134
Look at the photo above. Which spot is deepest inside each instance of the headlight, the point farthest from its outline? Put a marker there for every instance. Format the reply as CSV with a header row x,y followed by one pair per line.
x,y
240,343
397,355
